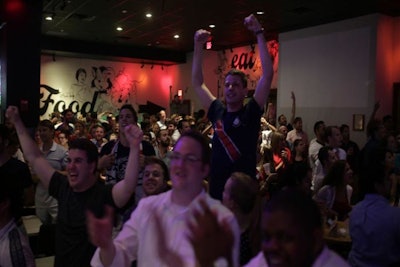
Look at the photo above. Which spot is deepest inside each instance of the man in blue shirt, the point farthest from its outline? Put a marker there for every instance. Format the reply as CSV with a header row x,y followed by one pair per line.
x,y
374,223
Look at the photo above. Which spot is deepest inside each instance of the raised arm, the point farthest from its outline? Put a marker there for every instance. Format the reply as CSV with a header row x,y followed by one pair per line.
x,y
32,153
293,108
206,97
264,84
124,189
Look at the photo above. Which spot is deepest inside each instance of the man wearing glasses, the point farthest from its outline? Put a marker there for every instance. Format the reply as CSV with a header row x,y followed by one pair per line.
x,y
139,239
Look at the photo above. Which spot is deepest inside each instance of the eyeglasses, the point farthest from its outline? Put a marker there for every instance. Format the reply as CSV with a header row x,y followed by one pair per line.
x,y
189,158
153,173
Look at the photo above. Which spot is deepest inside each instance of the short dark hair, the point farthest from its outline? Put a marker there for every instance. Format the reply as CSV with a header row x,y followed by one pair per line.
x,y
241,74
317,124
47,124
154,160
87,146
297,119
205,146
131,109
299,205
180,124
67,110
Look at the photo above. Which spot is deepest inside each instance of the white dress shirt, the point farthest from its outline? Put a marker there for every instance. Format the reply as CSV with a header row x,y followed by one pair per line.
x,y
138,239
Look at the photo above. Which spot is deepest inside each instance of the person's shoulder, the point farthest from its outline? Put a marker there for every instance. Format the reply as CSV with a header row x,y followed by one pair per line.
x,y
106,149
58,147
325,189
329,258
158,200
16,162
257,261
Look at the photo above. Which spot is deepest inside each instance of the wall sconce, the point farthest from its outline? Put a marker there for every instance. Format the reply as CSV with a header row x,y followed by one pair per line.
x,y
180,92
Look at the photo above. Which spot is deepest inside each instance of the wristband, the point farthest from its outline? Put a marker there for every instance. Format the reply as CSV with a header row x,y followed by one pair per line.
x,y
259,31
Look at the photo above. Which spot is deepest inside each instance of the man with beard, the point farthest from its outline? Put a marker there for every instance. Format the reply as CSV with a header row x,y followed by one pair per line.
x,y
162,148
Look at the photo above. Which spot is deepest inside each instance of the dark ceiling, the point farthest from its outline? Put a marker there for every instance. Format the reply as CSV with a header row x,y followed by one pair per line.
x,y
94,22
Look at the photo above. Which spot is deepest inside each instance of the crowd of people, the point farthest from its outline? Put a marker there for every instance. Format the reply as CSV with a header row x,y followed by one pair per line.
x,y
227,188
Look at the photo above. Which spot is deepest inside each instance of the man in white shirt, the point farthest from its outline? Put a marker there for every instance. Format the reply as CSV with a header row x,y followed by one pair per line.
x,y
139,237
297,132
334,138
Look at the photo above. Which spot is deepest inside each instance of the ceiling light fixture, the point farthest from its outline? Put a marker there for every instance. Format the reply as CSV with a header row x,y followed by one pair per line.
x,y
124,11
212,26
49,17
120,29
260,12
149,15
176,36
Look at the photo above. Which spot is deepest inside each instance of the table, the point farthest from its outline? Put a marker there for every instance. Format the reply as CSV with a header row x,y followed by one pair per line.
x,y
337,237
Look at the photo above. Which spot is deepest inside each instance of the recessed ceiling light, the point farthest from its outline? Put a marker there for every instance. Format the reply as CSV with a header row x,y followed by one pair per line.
x,y
260,13
149,15
176,36
211,26
119,29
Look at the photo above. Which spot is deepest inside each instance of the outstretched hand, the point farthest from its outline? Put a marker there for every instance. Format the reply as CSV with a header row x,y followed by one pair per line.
x,y
12,114
252,23
201,36
133,134
210,239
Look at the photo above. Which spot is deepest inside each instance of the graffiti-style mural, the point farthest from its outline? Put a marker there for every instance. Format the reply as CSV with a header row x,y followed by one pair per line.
x,y
96,89
245,59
